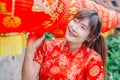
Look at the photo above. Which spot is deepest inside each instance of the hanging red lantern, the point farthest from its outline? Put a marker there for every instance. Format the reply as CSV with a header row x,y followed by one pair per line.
x,y
41,16
32,15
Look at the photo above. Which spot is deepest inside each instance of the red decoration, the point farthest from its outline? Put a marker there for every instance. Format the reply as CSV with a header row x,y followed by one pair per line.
x,y
53,15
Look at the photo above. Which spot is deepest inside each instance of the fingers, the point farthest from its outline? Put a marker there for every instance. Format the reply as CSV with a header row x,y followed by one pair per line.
x,y
39,41
35,40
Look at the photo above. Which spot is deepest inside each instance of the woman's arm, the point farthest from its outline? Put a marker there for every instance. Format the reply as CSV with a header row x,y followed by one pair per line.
x,y
95,70
30,68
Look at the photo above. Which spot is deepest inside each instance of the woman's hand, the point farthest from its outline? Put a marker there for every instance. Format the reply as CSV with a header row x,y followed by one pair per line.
x,y
30,68
34,41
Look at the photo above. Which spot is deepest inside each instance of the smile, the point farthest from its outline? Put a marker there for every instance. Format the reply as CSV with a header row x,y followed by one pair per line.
x,y
71,32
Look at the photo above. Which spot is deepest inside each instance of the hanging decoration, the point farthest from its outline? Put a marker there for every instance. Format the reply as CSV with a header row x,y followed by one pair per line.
x,y
12,43
41,16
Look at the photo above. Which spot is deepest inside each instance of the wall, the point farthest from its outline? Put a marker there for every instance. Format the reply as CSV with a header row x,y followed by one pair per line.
x,y
10,67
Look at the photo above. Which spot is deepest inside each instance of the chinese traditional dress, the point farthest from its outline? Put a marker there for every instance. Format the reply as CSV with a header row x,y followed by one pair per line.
x,y
58,62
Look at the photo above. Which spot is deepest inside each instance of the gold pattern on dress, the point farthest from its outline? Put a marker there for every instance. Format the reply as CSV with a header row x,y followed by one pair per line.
x,y
39,57
94,70
101,77
44,47
55,53
63,60
74,67
75,52
11,22
61,79
65,49
50,79
80,54
88,49
96,56
55,70
72,72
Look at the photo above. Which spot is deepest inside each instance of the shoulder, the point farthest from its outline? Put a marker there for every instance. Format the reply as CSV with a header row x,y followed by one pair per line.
x,y
93,55
95,65
50,44
53,42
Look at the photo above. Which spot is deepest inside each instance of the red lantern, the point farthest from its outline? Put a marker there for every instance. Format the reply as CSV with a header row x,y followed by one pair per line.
x,y
32,16
40,16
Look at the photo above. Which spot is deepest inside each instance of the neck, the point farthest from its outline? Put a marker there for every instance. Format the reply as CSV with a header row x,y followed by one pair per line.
x,y
74,45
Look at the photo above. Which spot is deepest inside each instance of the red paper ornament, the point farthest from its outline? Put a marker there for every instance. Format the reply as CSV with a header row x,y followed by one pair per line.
x,y
41,16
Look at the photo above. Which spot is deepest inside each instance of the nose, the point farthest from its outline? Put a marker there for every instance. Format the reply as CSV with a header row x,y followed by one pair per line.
x,y
73,28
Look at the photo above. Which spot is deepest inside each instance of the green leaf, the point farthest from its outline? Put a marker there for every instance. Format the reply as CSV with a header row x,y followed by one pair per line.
x,y
113,61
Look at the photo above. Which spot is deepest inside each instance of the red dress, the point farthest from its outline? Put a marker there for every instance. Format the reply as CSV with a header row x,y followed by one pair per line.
x,y
59,63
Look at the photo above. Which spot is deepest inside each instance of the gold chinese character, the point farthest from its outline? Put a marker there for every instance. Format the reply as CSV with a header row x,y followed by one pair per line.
x,y
58,31
69,18
3,9
73,10
72,2
60,8
47,24
54,16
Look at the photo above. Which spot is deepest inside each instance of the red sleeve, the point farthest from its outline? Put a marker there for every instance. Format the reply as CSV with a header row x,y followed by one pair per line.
x,y
95,69
39,54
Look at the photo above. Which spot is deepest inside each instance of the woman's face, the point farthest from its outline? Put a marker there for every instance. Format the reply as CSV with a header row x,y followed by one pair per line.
x,y
77,31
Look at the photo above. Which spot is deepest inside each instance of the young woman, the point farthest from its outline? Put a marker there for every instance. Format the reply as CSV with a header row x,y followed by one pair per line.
x,y
81,56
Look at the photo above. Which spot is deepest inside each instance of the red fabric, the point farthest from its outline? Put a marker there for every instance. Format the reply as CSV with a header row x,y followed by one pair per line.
x,y
59,63
29,16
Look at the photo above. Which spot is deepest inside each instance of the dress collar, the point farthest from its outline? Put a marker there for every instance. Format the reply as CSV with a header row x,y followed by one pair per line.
x,y
65,47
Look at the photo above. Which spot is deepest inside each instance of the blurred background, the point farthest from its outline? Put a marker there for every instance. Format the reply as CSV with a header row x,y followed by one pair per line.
x,y
10,65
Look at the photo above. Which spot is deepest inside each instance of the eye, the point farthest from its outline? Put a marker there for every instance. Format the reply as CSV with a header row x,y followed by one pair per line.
x,y
75,20
83,27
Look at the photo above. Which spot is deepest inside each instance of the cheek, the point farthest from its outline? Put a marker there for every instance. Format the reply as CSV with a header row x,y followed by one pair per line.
x,y
66,32
83,35
72,24
69,24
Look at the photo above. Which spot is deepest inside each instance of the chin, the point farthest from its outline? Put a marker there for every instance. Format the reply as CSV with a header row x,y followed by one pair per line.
x,y
69,39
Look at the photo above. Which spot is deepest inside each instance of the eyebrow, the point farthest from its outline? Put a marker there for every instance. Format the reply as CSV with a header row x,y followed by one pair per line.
x,y
85,26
